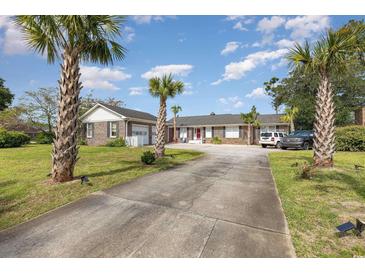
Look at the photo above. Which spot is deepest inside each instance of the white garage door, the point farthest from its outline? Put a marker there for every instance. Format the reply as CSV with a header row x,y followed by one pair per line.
x,y
141,131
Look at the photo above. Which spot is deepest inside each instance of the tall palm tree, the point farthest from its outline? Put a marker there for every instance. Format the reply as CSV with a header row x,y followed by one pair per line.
x,y
163,88
71,39
175,110
251,120
331,53
289,116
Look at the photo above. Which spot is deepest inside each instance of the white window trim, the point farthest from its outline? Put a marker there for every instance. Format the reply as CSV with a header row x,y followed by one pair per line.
x,y
183,133
208,133
232,132
111,129
87,131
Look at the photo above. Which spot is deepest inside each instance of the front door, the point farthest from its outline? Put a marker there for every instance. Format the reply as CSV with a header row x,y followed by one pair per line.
x,y
198,133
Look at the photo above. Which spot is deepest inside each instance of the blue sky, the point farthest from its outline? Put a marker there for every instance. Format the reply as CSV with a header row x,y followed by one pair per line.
x,y
223,60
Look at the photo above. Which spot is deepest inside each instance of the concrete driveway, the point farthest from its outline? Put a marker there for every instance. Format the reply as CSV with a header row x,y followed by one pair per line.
x,y
223,205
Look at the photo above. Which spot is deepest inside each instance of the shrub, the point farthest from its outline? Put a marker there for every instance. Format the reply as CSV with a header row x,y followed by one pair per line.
x,y
148,157
82,142
44,138
216,140
306,170
13,138
350,138
119,142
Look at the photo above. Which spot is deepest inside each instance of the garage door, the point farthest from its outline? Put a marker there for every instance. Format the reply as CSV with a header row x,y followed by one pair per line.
x,y
141,131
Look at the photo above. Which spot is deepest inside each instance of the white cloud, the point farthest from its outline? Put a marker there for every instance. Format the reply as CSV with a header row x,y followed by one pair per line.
x,y
135,91
257,93
177,70
239,26
129,34
267,25
284,43
303,27
13,41
230,47
102,78
283,62
147,19
234,101
237,70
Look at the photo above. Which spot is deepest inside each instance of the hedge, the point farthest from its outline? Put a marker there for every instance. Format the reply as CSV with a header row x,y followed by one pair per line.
x,y
44,138
350,138
13,138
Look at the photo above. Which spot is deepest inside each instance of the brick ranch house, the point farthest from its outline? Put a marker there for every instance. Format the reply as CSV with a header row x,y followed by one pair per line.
x,y
228,127
103,123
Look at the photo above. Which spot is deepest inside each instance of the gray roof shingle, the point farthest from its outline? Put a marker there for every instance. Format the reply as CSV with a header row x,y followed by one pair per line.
x,y
223,119
131,113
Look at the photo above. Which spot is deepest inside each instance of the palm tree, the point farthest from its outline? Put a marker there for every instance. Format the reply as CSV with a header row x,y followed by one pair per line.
x,y
251,120
331,53
289,117
163,88
71,39
175,109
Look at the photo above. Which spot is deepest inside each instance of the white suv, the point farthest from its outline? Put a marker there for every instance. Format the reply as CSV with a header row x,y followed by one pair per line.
x,y
271,139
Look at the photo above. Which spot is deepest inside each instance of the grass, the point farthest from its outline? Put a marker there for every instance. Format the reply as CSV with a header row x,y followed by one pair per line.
x,y
25,195
315,207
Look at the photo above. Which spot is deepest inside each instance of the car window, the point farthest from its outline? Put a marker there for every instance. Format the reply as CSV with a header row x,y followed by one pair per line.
x,y
281,135
266,134
275,134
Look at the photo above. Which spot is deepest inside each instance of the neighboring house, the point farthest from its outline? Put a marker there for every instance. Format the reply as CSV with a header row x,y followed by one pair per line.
x,y
103,123
360,116
228,127
30,130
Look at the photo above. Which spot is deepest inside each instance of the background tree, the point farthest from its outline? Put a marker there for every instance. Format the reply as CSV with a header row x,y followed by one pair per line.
x,y
40,107
88,101
251,119
289,116
163,88
333,52
175,110
73,39
11,117
6,97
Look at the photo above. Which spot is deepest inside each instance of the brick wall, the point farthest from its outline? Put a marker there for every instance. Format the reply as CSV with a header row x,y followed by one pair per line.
x,y
100,136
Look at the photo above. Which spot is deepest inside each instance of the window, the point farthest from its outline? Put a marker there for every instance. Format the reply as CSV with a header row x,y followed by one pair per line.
x,y
232,132
208,132
89,130
113,129
281,135
275,134
183,133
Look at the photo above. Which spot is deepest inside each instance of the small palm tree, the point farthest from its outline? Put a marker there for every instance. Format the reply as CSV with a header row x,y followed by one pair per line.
x,y
163,88
175,110
251,120
331,53
289,117
72,39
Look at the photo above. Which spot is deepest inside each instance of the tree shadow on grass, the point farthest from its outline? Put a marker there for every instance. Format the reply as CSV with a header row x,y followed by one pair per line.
x,y
354,181
113,171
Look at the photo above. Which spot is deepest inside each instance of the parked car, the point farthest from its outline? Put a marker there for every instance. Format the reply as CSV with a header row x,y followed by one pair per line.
x,y
271,139
300,139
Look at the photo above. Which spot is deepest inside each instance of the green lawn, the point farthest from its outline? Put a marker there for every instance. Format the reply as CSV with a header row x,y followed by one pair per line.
x,y
25,195
315,207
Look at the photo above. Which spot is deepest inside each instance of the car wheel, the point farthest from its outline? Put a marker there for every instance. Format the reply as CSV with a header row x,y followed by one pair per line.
x,y
264,146
306,146
278,145
284,148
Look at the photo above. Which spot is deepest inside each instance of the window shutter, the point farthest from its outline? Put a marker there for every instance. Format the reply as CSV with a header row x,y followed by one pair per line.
x,y
212,132
108,129
224,132
117,129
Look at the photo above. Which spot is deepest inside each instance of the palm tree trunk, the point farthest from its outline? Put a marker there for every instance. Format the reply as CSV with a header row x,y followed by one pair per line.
x,y
64,152
324,129
292,128
161,129
175,139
